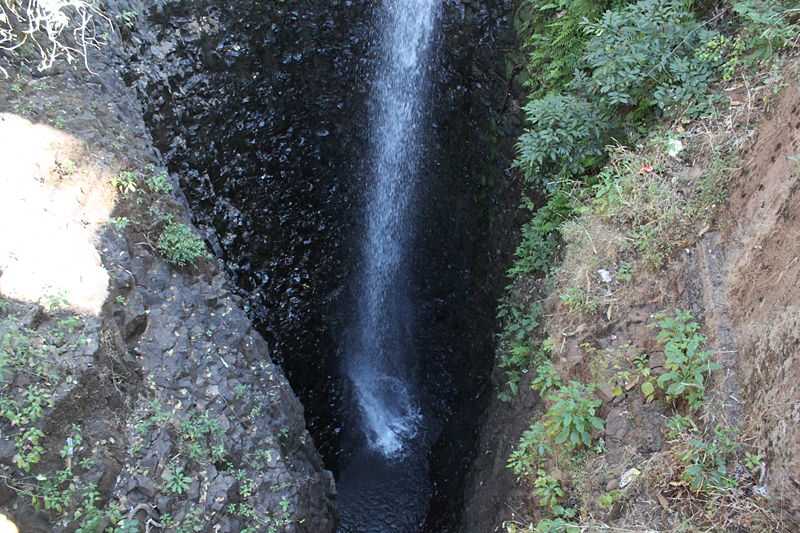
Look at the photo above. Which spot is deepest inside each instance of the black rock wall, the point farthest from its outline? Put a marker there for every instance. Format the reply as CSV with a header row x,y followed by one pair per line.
x,y
259,107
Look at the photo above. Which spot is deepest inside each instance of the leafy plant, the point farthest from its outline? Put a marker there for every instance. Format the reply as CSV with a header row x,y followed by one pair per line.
x,y
159,184
547,379
648,386
564,137
516,355
127,182
645,55
180,245
686,362
608,499
540,236
175,480
548,490
706,462
571,418
203,438
552,34
532,448
766,28
29,448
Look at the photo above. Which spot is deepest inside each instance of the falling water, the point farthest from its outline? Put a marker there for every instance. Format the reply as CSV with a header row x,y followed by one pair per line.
x,y
385,487
378,366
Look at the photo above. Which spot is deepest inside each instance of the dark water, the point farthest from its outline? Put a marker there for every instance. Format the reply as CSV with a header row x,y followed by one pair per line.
x,y
280,118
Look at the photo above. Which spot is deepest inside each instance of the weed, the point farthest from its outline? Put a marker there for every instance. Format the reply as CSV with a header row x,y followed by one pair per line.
x,y
540,236
705,461
571,418
608,499
579,300
547,379
202,438
648,386
516,355
127,182
240,391
625,272
29,448
128,19
548,491
686,362
677,425
532,448
193,522
175,480
753,462
180,246
159,184
557,525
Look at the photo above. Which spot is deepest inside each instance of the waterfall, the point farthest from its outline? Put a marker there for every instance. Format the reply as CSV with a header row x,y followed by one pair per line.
x,y
378,363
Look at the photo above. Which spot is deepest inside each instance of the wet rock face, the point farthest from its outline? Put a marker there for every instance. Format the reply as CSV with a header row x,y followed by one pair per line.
x,y
259,108
262,110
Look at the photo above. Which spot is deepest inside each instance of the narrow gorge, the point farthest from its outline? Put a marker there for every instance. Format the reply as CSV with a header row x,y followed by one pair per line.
x,y
335,161
399,266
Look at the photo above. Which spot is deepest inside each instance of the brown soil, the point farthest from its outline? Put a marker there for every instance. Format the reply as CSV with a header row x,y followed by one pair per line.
x,y
763,241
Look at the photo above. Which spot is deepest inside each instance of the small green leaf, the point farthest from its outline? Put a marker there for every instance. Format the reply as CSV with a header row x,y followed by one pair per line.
x,y
648,390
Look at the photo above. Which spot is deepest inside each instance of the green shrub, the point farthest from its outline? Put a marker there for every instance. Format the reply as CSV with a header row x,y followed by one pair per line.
x,y
159,184
547,379
564,137
179,245
766,27
540,236
531,450
571,418
552,34
515,350
649,54
686,362
705,462
548,490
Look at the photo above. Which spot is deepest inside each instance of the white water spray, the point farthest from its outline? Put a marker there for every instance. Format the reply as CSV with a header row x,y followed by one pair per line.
x,y
378,363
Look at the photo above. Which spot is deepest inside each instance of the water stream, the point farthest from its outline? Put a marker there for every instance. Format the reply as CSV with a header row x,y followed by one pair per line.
x,y
384,486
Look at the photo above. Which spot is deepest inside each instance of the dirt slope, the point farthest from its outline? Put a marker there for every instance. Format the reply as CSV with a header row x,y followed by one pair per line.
x,y
762,239
738,273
